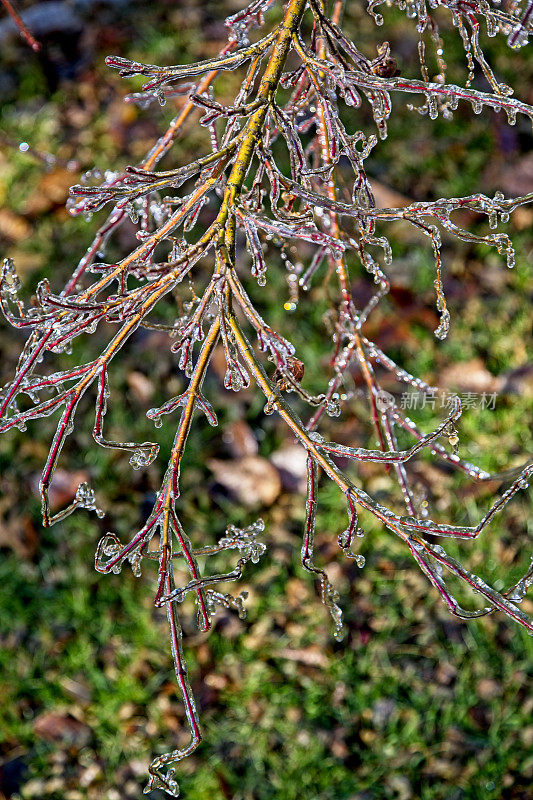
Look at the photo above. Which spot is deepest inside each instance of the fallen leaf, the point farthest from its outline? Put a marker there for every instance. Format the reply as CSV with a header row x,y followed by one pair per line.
x,y
522,218
56,727
338,745
469,376
90,774
368,737
310,656
445,673
386,566
385,197
51,190
142,387
25,261
78,690
479,490
291,463
240,439
13,227
401,786
488,689
63,487
297,592
19,535
252,480
515,178
519,381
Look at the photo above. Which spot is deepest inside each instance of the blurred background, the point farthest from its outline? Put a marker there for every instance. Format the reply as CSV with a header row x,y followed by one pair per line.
x,y
413,703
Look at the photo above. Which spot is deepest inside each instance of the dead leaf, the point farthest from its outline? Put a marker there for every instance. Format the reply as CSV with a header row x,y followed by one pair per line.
x,y
25,261
387,567
522,218
78,690
19,534
214,681
252,480
386,197
515,178
90,774
240,439
12,226
52,190
488,689
63,487
401,786
142,387
297,592
445,673
469,376
56,727
291,463
338,745
479,490
310,656
519,381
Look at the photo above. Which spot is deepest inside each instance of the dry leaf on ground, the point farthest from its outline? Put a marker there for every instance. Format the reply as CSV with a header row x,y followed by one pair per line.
x,y
57,727
469,376
252,480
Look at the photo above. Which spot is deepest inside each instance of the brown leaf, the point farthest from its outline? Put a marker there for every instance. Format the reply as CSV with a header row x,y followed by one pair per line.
x,y
56,727
401,786
90,774
142,387
522,218
310,656
52,190
445,673
295,368
339,747
19,535
519,381
368,736
516,177
478,490
12,226
488,689
25,261
386,197
291,463
386,566
240,439
298,592
252,480
469,376
63,487
78,689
